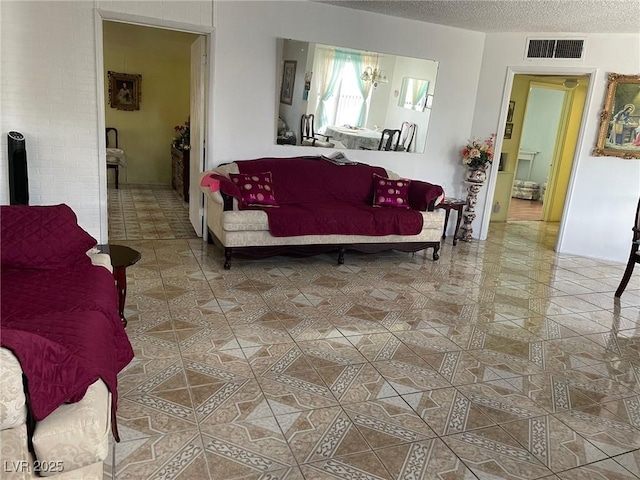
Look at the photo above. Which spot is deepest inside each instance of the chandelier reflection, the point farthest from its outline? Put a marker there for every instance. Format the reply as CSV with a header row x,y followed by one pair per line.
x,y
374,75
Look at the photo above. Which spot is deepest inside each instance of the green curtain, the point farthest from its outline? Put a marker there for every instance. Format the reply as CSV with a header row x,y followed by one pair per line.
x,y
340,58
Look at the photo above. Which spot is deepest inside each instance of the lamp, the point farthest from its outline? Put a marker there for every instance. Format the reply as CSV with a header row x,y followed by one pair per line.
x,y
374,75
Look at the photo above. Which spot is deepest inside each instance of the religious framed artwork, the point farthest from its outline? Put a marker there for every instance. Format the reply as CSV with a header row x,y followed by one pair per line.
x,y
288,82
619,133
125,90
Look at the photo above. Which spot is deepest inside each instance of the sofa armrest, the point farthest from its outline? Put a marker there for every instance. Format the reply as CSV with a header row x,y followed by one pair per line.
x,y
424,196
13,402
76,434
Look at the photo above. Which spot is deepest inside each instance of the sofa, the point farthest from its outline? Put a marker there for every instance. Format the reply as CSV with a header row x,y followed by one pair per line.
x,y
525,190
61,348
308,205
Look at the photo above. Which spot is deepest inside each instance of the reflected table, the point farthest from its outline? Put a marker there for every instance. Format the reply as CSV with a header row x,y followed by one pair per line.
x,y
354,138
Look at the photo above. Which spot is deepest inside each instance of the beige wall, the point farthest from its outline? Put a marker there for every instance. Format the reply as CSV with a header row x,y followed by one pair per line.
x,y
162,57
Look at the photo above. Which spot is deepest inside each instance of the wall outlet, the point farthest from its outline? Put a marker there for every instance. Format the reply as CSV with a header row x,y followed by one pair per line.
x,y
496,207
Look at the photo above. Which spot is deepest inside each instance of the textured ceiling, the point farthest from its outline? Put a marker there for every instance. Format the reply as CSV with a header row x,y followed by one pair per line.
x,y
568,16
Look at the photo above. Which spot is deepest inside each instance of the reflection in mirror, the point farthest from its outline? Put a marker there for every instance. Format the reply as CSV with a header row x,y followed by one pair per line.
x,y
414,94
353,94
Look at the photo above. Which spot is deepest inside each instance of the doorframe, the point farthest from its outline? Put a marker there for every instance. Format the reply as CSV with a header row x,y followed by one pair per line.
x,y
101,16
511,72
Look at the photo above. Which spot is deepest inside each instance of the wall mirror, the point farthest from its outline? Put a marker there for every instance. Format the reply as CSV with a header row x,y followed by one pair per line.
x,y
352,94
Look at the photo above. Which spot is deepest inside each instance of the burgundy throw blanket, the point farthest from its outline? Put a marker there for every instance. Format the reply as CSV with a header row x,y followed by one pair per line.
x,y
64,328
317,197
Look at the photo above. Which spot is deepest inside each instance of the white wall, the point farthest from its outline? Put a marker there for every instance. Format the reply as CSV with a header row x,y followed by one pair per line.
x,y
246,106
49,93
604,191
540,131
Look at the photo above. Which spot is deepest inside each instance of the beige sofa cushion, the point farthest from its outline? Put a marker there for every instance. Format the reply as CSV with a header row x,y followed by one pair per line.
x,y
14,453
76,433
245,220
13,403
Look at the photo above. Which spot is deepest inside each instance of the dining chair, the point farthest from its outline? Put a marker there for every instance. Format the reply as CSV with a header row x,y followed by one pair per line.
x,y
634,256
387,139
113,152
407,133
308,135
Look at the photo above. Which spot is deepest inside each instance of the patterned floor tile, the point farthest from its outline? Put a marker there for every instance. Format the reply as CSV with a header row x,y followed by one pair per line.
x,y
321,434
331,351
365,465
355,383
410,375
603,470
175,455
295,390
245,448
380,346
426,460
447,411
492,453
388,421
557,446
606,431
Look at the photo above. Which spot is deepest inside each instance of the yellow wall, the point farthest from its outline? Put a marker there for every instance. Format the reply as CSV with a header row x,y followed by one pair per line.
x,y
561,179
502,195
163,59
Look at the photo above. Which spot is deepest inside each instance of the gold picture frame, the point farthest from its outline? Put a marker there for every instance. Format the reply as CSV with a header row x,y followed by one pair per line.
x,y
288,82
619,133
125,90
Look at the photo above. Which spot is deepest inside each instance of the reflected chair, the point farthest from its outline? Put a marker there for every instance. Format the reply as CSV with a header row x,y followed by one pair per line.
x,y
407,133
308,136
389,136
114,154
634,256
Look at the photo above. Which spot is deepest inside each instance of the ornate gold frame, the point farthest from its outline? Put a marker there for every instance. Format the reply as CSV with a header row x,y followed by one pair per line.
x,y
623,93
133,83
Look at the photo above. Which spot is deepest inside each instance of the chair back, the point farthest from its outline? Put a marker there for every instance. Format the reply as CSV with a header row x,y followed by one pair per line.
x,y
307,130
407,133
389,136
112,133
636,226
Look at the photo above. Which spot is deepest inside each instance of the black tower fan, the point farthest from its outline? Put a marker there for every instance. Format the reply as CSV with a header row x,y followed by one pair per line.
x,y
18,178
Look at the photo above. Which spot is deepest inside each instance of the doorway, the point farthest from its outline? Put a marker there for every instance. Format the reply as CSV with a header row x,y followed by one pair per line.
x,y
536,158
148,203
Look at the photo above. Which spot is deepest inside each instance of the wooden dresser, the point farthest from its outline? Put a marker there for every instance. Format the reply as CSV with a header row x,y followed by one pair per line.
x,y
180,171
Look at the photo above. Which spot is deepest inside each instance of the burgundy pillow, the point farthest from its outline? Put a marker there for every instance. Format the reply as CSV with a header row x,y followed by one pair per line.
x,y
256,189
42,237
390,193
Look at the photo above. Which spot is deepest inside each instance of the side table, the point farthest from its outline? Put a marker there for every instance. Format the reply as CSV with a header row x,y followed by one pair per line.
x,y
449,204
121,258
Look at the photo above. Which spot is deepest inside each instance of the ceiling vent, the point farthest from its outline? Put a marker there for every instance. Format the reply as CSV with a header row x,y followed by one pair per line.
x,y
559,48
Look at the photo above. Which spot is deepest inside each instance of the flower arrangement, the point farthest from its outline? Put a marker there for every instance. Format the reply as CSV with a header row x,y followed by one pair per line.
x,y
478,153
183,132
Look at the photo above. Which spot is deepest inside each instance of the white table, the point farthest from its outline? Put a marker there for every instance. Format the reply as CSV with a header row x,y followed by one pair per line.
x,y
354,138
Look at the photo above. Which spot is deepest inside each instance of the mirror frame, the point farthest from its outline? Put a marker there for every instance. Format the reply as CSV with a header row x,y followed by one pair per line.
x,y
616,101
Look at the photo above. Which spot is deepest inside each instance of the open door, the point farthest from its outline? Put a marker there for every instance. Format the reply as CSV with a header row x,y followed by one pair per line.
x,y
197,123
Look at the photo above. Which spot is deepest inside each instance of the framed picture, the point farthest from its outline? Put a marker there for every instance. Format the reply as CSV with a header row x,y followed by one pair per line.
x,y
508,131
619,133
512,107
125,91
288,81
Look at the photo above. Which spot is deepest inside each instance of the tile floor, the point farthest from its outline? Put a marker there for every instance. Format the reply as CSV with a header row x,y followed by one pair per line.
x,y
147,212
502,360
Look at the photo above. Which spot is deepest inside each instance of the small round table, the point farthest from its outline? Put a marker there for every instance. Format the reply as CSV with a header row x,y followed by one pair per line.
x,y
449,204
121,258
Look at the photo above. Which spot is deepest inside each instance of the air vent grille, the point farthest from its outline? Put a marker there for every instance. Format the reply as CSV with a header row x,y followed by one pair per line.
x,y
569,49
563,48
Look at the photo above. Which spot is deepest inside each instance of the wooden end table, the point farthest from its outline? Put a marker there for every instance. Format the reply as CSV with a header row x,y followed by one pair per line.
x,y
449,204
121,258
